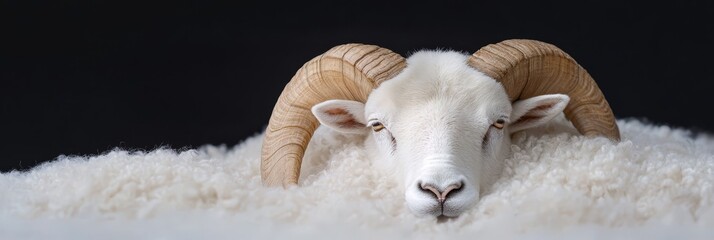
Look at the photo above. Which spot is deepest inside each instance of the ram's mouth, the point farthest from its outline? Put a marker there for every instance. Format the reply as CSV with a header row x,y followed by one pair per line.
x,y
443,218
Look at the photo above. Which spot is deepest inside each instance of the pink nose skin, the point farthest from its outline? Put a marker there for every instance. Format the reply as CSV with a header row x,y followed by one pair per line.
x,y
440,195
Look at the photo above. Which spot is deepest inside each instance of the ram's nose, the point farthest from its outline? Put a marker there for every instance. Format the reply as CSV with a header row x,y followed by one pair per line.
x,y
440,191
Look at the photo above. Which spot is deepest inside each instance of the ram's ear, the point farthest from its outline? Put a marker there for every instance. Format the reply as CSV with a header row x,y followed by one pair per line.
x,y
535,111
341,115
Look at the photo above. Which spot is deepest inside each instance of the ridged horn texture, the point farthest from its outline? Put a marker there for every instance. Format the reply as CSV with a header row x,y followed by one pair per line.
x,y
349,72
529,68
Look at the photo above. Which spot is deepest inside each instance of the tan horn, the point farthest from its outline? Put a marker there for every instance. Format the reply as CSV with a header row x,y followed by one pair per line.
x,y
348,72
529,68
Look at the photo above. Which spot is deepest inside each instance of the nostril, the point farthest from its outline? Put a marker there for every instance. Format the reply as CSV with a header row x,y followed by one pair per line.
x,y
440,195
428,188
453,189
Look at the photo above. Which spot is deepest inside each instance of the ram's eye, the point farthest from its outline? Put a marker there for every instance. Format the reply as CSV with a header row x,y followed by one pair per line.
x,y
499,123
377,126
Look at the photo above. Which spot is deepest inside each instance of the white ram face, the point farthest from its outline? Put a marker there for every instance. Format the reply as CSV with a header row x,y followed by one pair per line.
x,y
441,128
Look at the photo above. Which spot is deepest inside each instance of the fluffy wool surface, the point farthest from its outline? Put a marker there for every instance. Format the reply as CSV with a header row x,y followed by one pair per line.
x,y
657,183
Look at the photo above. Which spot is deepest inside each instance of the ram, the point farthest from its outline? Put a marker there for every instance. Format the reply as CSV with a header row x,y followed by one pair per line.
x,y
439,121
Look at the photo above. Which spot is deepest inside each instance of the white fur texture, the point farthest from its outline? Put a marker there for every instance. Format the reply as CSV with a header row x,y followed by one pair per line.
x,y
655,184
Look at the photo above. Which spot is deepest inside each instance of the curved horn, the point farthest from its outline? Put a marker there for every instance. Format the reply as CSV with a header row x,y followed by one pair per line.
x,y
350,72
529,68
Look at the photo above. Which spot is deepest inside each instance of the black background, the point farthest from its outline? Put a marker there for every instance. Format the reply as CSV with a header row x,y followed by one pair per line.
x,y
82,78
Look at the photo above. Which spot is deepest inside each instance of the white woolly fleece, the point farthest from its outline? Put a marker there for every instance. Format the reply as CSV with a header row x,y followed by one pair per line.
x,y
655,184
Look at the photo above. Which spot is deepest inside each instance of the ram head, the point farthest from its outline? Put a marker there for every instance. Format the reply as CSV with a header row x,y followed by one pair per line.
x,y
440,121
